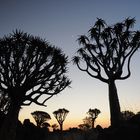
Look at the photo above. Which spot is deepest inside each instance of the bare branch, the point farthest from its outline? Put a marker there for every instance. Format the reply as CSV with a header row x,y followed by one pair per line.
x,y
30,67
108,48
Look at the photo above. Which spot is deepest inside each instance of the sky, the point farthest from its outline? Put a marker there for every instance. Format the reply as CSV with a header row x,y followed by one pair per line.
x,y
61,22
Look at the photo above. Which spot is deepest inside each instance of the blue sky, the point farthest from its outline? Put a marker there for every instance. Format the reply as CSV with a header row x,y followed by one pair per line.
x,y
60,22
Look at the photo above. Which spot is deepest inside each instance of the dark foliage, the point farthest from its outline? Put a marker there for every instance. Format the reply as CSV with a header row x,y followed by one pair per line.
x,y
29,68
128,130
28,131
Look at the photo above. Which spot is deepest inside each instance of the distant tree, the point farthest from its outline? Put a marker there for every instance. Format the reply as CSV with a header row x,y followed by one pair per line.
x,y
106,54
84,126
41,118
135,119
46,125
28,124
87,123
29,68
138,112
54,126
93,114
60,116
31,132
127,115
87,120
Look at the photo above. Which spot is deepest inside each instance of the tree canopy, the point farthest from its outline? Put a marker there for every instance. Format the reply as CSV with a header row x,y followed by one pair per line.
x,y
41,118
107,49
30,67
93,114
60,116
127,115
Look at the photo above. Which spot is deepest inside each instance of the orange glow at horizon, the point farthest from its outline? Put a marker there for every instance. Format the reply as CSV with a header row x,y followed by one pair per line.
x,y
69,122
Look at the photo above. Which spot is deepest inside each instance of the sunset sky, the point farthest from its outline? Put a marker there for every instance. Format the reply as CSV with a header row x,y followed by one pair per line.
x,y
60,22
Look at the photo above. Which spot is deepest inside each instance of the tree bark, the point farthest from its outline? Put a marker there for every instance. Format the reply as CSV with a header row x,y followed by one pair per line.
x,y
61,127
115,113
8,129
93,122
61,131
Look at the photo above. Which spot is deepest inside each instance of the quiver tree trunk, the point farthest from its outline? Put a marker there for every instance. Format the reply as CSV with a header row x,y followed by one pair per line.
x,y
93,123
8,129
61,126
114,104
61,131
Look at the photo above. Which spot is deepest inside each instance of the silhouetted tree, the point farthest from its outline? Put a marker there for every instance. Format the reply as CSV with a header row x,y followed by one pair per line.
x,y
84,126
28,124
135,119
30,131
29,68
87,120
54,126
87,123
138,112
41,118
46,125
93,114
60,116
106,53
127,115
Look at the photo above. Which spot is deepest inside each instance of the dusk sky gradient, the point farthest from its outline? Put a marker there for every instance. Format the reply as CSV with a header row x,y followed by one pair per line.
x,y
60,22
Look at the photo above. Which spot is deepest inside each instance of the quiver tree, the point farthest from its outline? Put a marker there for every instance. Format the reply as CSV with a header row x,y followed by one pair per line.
x,y
87,124
106,53
41,118
93,114
29,68
60,116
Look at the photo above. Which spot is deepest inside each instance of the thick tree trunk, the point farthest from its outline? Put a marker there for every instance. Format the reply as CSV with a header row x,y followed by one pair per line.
x,y
115,113
93,122
61,131
61,127
8,129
